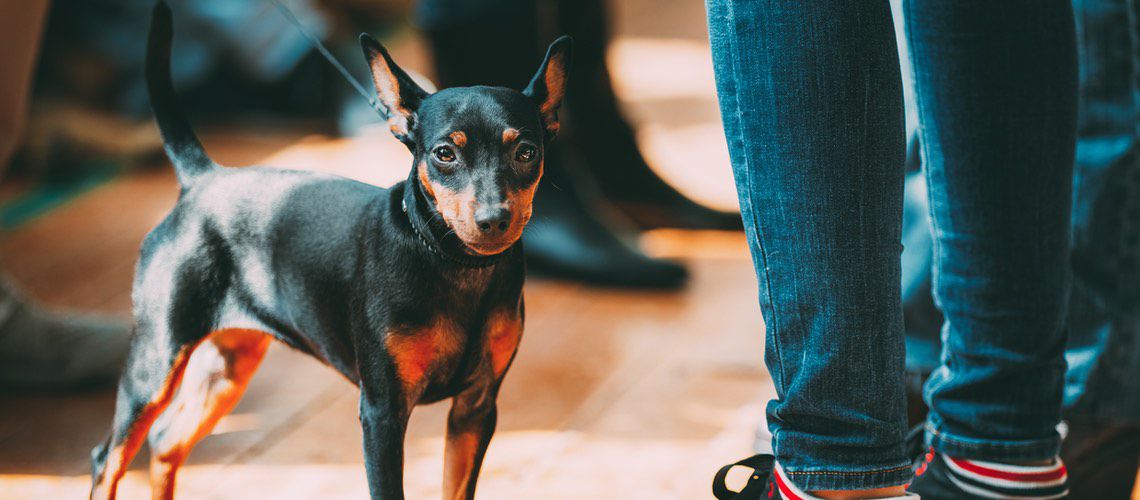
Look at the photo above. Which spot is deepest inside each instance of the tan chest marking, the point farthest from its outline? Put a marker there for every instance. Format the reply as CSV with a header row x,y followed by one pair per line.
x,y
417,351
504,331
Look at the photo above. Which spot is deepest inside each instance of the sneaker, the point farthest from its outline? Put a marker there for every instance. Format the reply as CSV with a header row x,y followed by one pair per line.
x,y
941,477
45,351
768,481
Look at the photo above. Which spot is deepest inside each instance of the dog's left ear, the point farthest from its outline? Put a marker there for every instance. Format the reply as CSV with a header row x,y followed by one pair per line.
x,y
399,95
548,87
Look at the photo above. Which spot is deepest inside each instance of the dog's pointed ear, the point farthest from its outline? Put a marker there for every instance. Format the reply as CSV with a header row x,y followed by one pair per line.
x,y
548,87
397,92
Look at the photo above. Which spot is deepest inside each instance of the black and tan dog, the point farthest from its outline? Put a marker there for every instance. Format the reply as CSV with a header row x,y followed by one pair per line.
x,y
413,293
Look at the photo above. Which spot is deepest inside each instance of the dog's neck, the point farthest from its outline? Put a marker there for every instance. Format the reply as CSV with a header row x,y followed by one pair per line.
x,y
432,231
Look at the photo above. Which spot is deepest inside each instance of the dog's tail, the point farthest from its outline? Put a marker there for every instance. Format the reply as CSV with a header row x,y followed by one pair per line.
x,y
182,146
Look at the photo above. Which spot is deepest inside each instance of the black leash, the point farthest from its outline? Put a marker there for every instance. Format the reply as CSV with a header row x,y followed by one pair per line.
x,y
317,44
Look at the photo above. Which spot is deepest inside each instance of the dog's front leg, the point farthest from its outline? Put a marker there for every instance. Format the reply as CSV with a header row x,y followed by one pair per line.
x,y
469,428
384,419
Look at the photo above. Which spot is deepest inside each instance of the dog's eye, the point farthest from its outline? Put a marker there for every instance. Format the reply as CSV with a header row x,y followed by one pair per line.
x,y
444,154
525,153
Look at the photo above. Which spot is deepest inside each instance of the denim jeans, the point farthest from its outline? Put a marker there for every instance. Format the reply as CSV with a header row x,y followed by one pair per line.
x,y
1103,353
811,101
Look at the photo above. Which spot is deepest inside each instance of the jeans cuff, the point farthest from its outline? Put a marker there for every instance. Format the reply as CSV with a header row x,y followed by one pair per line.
x,y
992,450
816,479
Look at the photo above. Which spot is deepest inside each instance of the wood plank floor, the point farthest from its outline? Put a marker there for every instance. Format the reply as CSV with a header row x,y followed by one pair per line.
x,y
615,394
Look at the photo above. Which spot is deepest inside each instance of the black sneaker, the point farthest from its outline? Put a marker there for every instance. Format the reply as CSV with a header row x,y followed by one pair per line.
x,y
939,477
767,481
759,485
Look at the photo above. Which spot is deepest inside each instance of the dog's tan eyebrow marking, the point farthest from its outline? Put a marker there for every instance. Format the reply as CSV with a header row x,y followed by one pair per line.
x,y
510,134
458,137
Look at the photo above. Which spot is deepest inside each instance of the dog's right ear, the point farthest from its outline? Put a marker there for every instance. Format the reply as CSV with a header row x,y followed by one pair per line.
x,y
548,86
399,95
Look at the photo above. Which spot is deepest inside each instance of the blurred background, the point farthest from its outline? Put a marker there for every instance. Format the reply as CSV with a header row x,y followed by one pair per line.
x,y
641,369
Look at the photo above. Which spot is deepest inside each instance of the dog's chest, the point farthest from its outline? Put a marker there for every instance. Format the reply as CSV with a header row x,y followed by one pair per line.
x,y
421,353
442,352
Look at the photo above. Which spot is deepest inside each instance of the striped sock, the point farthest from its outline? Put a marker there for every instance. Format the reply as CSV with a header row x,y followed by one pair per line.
x,y
789,490
997,480
786,488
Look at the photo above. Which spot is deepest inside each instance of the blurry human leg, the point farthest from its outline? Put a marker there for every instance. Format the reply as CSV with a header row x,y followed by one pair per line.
x,y
606,140
39,349
20,26
1104,348
573,234
1102,395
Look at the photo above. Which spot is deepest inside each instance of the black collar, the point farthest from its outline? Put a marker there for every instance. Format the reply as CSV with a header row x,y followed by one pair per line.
x,y
433,233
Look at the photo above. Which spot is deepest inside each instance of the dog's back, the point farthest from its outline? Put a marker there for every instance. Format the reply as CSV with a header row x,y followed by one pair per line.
x,y
245,228
240,227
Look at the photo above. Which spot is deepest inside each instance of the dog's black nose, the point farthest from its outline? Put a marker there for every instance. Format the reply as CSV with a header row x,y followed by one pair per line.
x,y
494,220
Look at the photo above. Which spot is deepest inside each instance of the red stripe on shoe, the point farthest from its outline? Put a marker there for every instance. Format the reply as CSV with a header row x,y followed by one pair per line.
x,y
1050,475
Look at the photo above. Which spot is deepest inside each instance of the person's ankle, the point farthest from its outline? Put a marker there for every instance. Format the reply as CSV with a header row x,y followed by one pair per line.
x,y
888,492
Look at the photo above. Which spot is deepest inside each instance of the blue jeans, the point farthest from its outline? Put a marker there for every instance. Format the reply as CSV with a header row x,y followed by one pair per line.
x,y
1103,378
1104,381
811,100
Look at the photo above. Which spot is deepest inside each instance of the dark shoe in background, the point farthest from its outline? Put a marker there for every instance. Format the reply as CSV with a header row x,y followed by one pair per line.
x,y
47,351
573,235
606,141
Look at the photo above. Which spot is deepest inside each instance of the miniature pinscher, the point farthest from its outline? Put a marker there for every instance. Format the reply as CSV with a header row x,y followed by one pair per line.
x,y
413,293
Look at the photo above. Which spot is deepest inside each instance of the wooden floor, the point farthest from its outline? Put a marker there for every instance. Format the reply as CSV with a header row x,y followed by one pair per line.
x,y
614,394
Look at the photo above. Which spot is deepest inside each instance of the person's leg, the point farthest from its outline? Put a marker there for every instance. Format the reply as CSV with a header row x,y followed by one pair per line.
x,y
1104,345
812,105
573,235
996,85
40,350
20,27
1102,387
607,140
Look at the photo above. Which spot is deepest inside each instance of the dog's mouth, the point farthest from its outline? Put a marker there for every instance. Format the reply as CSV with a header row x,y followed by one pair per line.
x,y
484,249
481,244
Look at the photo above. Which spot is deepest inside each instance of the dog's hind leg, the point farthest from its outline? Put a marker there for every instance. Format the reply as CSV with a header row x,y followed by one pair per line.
x,y
215,379
154,369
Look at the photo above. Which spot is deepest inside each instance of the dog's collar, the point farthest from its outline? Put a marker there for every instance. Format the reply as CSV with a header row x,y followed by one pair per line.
x,y
436,237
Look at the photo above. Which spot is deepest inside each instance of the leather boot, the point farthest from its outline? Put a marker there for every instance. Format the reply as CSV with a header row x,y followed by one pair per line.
x,y
571,235
607,142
